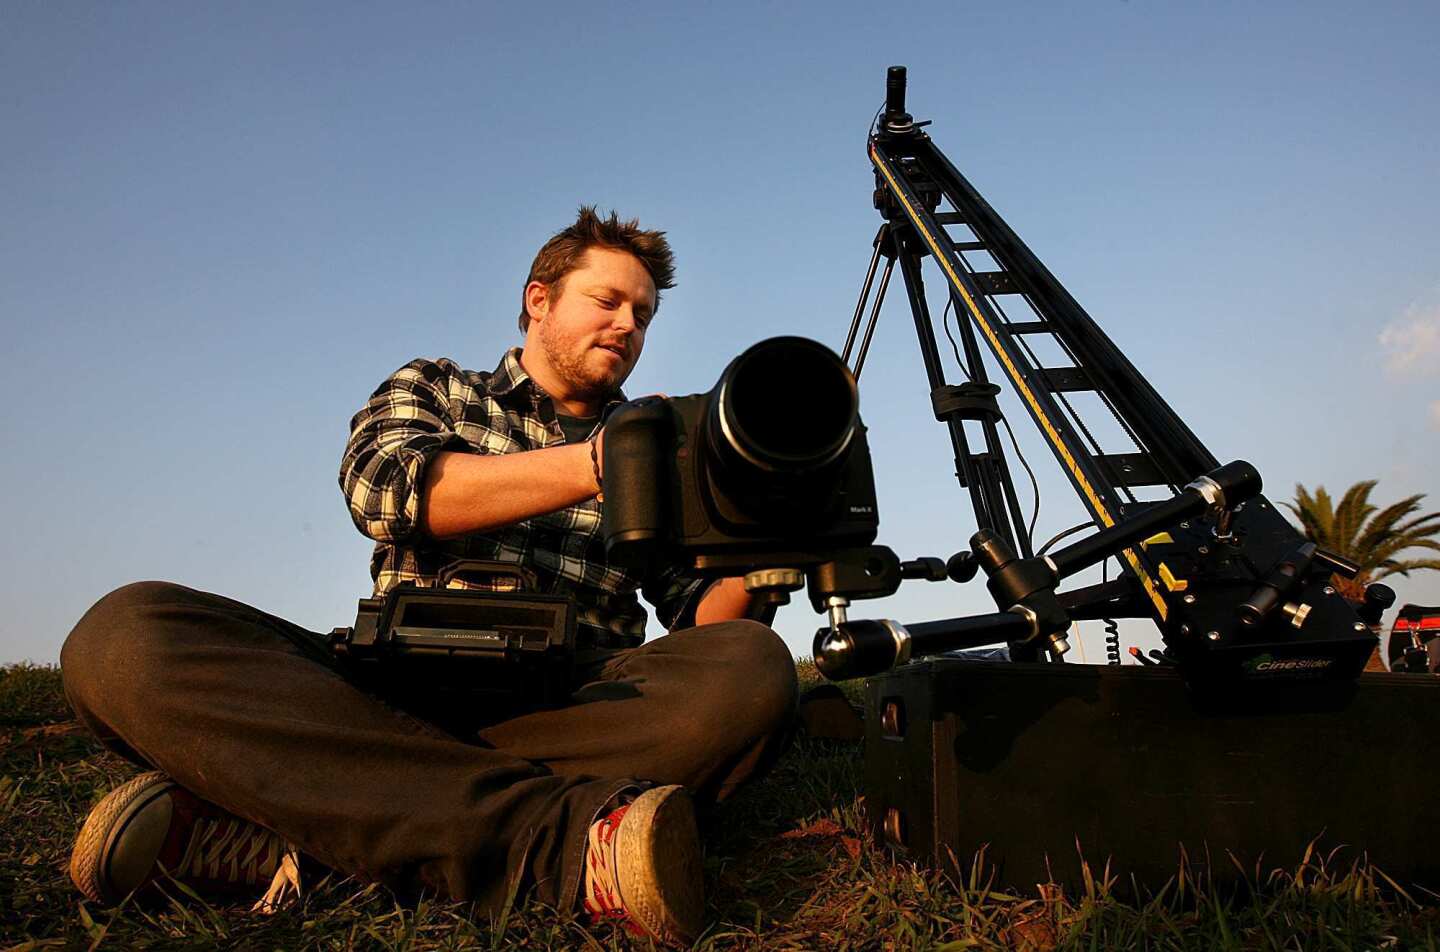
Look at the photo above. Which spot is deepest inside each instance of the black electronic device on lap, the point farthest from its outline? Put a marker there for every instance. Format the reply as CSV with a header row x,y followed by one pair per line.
x,y
505,643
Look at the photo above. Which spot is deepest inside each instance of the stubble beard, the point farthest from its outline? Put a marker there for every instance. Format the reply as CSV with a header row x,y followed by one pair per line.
x,y
567,357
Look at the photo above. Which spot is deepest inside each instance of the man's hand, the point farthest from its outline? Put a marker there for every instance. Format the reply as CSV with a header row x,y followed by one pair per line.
x,y
466,492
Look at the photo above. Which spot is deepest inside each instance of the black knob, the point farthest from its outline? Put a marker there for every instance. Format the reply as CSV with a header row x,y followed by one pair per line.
x,y
926,567
1378,593
961,567
1238,481
894,90
1378,597
992,552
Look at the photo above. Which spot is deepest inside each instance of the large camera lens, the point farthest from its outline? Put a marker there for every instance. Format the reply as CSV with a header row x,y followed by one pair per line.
x,y
786,408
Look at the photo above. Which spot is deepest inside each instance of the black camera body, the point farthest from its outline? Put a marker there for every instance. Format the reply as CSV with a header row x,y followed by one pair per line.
x,y
770,468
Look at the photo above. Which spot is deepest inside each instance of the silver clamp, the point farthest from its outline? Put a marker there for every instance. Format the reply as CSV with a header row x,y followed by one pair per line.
x,y
1209,491
902,640
1057,643
1029,615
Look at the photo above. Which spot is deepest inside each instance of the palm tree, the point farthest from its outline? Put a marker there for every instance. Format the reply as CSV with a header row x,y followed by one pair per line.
x,y
1373,539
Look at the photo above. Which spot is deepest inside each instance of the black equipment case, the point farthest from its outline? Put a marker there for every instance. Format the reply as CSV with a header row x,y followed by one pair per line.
x,y
1030,761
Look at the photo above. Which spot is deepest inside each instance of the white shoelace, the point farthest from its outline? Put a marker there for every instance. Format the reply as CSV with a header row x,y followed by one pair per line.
x,y
238,851
284,888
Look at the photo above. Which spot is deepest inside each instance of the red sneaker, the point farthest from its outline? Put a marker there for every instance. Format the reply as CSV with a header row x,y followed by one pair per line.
x,y
643,868
152,827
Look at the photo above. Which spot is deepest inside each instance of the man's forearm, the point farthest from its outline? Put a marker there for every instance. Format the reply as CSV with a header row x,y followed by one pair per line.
x,y
465,492
726,600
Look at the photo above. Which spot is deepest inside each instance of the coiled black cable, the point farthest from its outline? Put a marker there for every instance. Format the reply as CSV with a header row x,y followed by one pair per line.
x,y
1112,628
1112,641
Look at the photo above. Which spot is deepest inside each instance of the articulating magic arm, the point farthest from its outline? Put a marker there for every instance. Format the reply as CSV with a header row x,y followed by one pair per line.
x,y
1025,588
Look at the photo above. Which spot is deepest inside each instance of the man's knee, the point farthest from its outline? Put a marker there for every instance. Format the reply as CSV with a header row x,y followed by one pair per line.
x,y
116,643
758,686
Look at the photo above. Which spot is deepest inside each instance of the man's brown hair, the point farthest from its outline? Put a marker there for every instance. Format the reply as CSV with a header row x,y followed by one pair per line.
x,y
563,252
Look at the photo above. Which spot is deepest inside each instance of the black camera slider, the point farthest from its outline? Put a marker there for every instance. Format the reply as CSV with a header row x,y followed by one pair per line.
x,y
1235,590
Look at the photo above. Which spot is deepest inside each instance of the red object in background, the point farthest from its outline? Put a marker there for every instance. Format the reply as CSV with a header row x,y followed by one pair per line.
x,y
1415,640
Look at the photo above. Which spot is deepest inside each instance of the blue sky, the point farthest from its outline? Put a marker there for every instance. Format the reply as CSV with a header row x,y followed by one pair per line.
x,y
225,224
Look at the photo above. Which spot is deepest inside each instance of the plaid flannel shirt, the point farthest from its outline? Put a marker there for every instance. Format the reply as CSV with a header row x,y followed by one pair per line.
x,y
430,406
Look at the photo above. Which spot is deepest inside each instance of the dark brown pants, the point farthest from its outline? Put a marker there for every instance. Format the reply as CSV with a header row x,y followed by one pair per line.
x,y
252,713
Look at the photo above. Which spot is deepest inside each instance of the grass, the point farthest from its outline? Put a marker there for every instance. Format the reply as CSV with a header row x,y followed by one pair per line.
x,y
790,867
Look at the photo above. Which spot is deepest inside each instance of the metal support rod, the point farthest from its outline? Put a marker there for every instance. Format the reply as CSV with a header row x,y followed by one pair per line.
x,y
860,648
988,486
874,316
975,365
974,631
864,294
1232,484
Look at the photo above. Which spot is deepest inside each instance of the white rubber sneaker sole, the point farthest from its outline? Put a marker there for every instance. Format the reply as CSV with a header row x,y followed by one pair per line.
x,y
659,865
121,839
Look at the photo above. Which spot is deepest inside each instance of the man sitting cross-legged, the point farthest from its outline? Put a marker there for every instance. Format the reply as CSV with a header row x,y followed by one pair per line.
x,y
264,746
